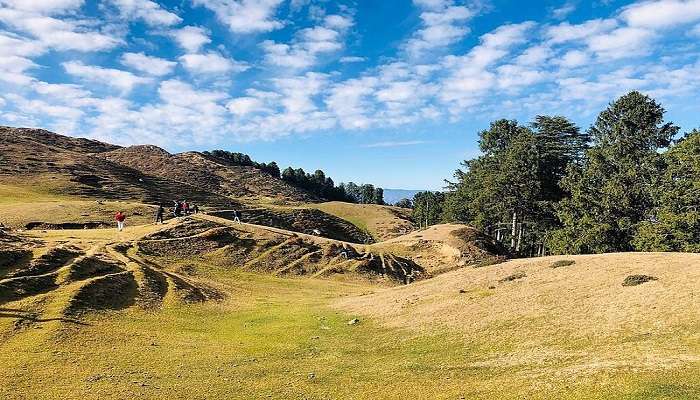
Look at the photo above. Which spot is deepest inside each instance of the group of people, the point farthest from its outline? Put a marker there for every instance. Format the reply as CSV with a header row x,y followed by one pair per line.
x,y
180,208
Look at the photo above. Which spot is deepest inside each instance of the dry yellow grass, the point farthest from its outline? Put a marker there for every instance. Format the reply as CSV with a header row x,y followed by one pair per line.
x,y
439,248
382,222
565,321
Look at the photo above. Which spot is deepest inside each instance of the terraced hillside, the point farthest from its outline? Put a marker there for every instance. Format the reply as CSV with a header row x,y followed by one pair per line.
x,y
61,279
303,220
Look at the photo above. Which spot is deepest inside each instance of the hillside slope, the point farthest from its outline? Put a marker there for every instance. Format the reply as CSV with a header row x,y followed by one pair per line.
x,y
569,313
445,247
64,166
69,166
382,222
199,170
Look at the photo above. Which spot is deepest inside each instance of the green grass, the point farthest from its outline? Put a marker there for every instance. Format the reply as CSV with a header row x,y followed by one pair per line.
x,y
12,194
279,338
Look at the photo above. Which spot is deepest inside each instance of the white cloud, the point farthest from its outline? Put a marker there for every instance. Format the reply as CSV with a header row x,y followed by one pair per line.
x,y
350,102
622,42
574,58
148,64
470,76
298,92
534,55
442,25
14,58
245,16
352,59
242,106
432,4
122,80
57,33
211,63
309,43
284,55
563,11
43,6
150,12
565,32
661,13
12,70
183,94
191,38
338,22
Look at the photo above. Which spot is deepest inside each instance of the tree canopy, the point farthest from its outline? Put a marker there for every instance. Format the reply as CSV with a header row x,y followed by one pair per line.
x,y
547,187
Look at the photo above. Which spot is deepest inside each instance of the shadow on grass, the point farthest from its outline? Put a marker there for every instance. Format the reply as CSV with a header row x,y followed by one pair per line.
x,y
26,316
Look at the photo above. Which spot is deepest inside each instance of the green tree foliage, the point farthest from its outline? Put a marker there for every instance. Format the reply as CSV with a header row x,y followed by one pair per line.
x,y
353,192
378,197
367,193
611,193
674,223
404,203
499,188
244,160
428,208
510,190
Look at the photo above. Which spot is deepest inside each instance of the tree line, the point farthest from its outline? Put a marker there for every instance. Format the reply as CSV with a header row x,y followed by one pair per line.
x,y
317,183
626,184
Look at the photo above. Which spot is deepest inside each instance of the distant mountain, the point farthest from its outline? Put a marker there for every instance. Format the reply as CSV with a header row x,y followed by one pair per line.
x,y
391,196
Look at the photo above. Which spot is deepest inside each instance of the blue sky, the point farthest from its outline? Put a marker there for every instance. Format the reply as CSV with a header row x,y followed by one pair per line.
x,y
387,92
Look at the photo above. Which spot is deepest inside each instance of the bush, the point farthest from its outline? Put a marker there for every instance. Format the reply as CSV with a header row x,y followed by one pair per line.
x,y
562,263
512,277
634,280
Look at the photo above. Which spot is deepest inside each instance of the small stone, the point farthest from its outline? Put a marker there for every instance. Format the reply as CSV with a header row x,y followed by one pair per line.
x,y
462,291
312,376
354,321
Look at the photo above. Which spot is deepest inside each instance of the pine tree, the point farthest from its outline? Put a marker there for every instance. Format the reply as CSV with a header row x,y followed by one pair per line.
x,y
611,192
674,222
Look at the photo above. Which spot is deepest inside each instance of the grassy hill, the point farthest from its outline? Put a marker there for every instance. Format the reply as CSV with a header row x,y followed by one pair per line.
x,y
381,222
570,332
305,300
64,166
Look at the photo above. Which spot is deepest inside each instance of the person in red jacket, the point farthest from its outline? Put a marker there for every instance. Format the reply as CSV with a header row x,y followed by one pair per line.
x,y
120,218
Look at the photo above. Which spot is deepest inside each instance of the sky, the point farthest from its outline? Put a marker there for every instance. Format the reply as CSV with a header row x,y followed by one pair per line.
x,y
387,92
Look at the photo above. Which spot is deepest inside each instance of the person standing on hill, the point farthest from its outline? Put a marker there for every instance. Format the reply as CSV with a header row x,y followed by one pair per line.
x,y
159,214
120,217
195,209
177,209
235,217
186,207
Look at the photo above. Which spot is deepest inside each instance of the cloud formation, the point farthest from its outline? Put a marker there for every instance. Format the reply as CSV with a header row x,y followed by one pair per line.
x,y
138,71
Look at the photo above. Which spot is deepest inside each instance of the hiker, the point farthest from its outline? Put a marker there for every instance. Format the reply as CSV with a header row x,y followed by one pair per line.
x,y
120,218
235,217
186,207
195,209
159,214
177,210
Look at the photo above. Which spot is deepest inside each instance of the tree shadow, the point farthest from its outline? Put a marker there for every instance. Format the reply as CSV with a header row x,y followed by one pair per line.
x,y
26,316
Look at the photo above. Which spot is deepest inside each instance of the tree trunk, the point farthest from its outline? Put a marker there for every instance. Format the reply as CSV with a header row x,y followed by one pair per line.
x,y
520,238
513,230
